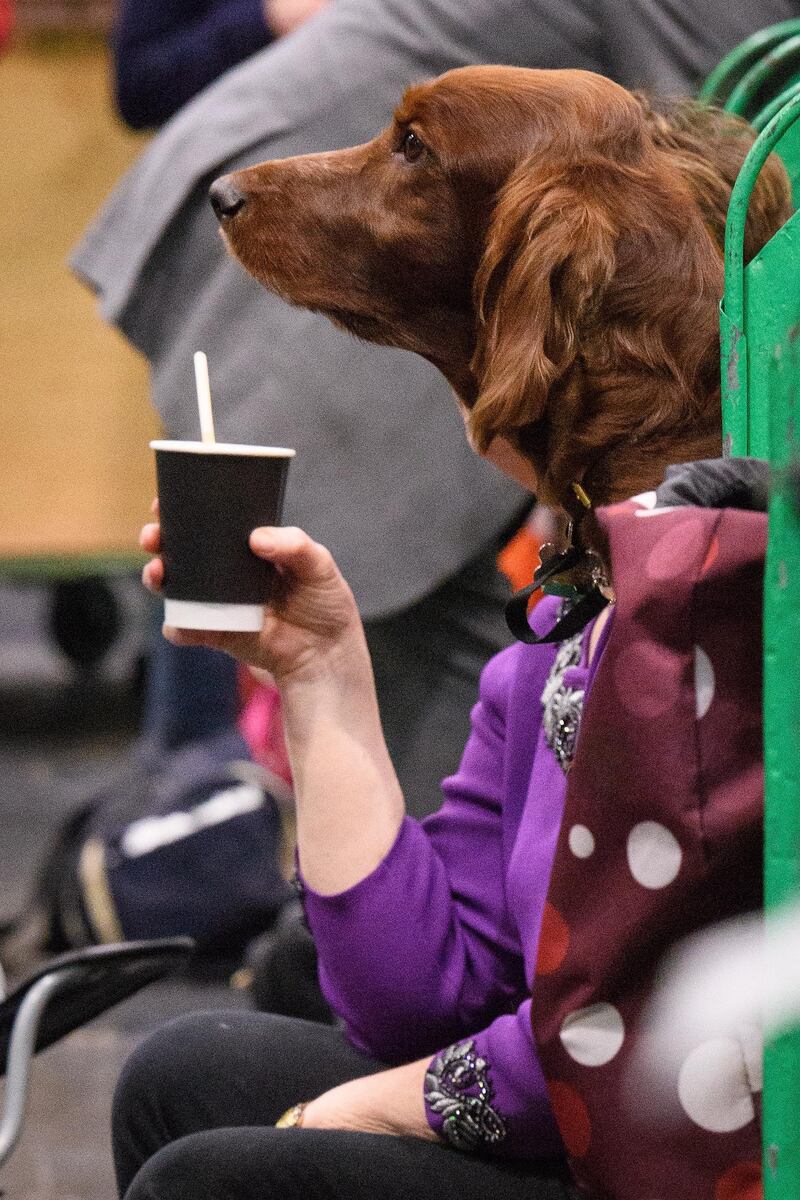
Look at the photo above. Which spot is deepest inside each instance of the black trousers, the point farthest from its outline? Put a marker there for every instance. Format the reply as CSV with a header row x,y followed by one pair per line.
x,y
196,1104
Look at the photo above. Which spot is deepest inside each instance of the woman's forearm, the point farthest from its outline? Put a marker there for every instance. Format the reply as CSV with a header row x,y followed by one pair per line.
x,y
349,803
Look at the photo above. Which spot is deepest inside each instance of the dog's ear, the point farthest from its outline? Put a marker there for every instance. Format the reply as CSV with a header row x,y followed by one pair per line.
x,y
549,255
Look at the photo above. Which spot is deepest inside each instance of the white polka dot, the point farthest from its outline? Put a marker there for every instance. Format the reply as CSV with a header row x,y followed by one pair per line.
x,y
713,1086
703,682
593,1035
581,841
654,855
645,499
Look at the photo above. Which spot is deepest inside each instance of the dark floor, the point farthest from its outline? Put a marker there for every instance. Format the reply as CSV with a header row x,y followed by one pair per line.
x,y
60,735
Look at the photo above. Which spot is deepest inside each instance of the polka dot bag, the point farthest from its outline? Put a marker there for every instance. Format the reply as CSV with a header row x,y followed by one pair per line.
x,y
661,835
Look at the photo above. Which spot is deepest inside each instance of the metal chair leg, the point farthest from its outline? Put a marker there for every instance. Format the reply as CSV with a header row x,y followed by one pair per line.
x,y
20,1054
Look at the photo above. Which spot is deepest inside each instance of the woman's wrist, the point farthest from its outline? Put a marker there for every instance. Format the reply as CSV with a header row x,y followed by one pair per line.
x,y
388,1102
349,801
343,663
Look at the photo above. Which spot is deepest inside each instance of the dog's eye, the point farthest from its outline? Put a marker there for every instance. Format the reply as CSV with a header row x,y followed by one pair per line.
x,y
412,146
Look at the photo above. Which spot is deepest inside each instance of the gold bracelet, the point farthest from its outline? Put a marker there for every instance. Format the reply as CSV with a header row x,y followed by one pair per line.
x,y
293,1117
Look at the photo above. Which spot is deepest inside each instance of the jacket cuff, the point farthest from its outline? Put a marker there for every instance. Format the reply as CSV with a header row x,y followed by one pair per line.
x,y
459,1100
487,1094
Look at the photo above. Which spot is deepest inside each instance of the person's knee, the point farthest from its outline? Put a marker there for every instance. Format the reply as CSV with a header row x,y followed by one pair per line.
x,y
237,1164
197,1055
159,1066
169,1174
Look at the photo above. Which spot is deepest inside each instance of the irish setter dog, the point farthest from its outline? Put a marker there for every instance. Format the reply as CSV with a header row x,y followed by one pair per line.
x,y
549,240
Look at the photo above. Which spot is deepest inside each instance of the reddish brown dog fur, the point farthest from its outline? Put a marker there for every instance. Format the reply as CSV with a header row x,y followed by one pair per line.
x,y
549,240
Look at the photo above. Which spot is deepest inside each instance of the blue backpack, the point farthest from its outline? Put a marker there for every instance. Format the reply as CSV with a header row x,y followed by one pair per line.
x,y
186,842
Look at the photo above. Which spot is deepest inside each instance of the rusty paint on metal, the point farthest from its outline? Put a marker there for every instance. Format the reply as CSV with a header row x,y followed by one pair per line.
x,y
732,364
772,1159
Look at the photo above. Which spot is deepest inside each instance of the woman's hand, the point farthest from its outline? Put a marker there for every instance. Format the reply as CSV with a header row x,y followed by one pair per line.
x,y
389,1102
311,617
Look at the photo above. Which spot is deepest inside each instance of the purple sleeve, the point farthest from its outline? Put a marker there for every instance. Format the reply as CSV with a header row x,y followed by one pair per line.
x,y
423,951
166,51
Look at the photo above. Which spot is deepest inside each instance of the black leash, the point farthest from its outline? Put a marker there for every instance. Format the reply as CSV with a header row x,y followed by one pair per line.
x,y
576,618
573,573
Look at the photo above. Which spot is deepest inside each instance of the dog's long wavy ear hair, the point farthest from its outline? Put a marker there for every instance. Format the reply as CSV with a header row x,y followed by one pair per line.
x,y
549,255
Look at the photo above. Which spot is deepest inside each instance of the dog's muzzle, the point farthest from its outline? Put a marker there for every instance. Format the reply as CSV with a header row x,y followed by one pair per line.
x,y
226,200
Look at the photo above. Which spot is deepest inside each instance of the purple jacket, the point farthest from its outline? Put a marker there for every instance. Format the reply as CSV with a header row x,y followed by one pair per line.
x,y
439,943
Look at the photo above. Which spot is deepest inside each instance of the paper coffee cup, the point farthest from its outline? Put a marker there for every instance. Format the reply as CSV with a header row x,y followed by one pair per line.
x,y
211,497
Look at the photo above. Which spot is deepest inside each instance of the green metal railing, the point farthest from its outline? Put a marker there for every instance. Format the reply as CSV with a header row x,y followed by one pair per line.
x,y
732,68
775,71
760,336
762,119
760,95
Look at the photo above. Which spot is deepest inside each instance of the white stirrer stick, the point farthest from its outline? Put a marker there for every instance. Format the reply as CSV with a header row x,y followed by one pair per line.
x,y
204,397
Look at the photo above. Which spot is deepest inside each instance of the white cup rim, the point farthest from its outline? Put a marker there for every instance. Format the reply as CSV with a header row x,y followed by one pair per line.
x,y
231,448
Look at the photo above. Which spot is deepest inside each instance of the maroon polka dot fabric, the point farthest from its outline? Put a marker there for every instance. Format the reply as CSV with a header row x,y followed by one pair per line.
x,y
662,834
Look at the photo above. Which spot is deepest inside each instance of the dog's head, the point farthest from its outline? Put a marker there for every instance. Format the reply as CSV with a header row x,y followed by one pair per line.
x,y
549,240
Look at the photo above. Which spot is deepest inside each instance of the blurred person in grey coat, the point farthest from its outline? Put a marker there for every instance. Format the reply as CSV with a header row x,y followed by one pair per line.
x,y
372,426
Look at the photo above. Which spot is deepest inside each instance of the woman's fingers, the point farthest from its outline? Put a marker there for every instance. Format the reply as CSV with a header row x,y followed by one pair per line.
x,y
153,575
311,607
150,538
289,548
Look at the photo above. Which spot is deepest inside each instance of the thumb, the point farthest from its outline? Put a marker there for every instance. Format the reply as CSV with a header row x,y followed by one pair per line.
x,y
294,552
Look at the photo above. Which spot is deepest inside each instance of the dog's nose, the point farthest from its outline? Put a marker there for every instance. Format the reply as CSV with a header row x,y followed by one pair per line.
x,y
226,200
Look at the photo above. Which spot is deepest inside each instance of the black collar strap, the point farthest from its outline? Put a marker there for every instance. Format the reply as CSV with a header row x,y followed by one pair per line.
x,y
573,621
568,573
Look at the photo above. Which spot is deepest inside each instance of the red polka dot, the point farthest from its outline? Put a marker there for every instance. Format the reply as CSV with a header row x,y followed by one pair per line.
x,y
711,557
553,941
572,1118
742,1182
677,551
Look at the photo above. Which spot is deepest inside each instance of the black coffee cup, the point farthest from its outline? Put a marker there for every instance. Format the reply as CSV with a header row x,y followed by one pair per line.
x,y
211,497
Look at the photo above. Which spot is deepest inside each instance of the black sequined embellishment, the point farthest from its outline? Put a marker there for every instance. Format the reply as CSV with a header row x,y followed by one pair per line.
x,y
562,706
457,1087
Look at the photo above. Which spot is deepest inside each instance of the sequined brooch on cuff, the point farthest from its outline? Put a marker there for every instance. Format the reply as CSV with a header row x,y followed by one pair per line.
x,y
562,706
457,1088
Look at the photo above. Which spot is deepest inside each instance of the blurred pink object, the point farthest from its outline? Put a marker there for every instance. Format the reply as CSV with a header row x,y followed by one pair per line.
x,y
261,726
6,20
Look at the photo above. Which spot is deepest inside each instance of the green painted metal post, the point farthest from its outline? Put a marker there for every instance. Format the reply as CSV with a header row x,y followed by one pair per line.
x,y
781,1108
761,311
